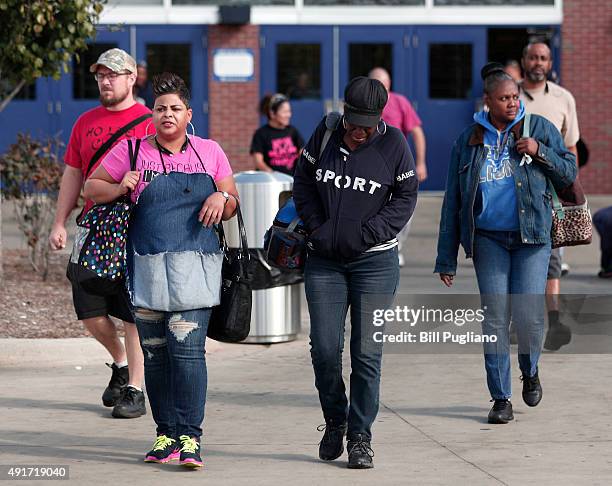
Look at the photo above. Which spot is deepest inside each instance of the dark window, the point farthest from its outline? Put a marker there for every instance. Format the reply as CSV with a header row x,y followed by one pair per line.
x,y
506,44
364,57
174,58
298,70
441,3
450,71
84,86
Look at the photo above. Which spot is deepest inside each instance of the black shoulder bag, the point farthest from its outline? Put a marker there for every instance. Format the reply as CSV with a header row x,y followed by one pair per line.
x,y
230,321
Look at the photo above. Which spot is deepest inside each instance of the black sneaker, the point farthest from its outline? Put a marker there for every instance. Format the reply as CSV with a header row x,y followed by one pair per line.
x,y
332,444
360,452
117,383
131,404
190,452
164,450
558,335
501,413
532,389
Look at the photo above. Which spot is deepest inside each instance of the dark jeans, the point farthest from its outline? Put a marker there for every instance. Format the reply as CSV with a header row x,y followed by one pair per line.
x,y
363,284
512,279
602,220
175,368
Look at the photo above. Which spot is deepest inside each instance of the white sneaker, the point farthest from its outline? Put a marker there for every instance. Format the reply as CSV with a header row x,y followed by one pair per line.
x,y
400,257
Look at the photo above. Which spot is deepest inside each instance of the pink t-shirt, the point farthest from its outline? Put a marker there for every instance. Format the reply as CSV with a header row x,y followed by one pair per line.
x,y
117,162
398,113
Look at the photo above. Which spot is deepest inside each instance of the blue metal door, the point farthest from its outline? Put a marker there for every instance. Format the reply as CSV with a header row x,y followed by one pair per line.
x,y
448,89
297,61
392,40
31,112
180,49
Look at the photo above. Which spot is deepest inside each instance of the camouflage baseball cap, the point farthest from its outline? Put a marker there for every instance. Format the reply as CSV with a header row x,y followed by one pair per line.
x,y
116,60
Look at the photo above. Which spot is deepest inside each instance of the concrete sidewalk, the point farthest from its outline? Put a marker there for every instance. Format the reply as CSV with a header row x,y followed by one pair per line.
x,y
262,409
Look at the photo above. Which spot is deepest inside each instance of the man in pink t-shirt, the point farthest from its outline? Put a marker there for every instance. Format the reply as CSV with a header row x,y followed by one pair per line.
x,y
398,112
115,72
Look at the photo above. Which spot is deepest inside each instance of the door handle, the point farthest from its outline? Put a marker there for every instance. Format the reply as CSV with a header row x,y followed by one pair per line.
x,y
50,107
58,107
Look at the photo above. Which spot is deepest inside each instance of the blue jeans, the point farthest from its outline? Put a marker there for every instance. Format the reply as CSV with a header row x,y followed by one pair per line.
x,y
363,283
175,368
512,280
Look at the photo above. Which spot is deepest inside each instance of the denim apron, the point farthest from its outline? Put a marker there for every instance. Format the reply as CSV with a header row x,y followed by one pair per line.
x,y
175,262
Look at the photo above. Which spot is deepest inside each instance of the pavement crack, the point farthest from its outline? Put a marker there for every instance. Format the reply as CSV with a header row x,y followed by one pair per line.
x,y
444,446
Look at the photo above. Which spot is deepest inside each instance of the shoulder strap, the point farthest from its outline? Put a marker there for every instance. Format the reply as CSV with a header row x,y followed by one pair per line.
x,y
332,120
133,153
114,137
526,127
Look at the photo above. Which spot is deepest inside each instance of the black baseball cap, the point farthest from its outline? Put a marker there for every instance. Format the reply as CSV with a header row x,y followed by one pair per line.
x,y
364,100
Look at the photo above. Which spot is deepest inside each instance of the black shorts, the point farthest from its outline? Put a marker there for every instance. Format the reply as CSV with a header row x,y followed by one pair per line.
x,y
89,305
554,266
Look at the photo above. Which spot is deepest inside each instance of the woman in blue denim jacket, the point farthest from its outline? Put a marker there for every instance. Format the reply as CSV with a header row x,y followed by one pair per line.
x,y
497,206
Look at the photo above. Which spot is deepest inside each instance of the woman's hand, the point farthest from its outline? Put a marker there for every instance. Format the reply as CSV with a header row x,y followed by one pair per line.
x,y
527,146
212,209
447,279
129,181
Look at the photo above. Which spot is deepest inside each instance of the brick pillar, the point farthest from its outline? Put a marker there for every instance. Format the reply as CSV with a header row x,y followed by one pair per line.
x,y
233,113
586,71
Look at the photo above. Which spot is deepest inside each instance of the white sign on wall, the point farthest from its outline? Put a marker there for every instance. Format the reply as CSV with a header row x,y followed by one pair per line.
x,y
233,65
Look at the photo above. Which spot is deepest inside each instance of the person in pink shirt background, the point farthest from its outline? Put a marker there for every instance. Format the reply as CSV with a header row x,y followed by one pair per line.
x,y
398,112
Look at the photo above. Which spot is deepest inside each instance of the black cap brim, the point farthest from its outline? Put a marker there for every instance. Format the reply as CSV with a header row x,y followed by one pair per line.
x,y
361,119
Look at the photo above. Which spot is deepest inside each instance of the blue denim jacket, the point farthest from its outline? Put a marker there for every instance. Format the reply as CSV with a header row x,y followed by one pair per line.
x,y
553,162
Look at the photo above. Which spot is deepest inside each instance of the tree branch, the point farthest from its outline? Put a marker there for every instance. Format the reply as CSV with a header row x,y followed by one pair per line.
x,y
13,93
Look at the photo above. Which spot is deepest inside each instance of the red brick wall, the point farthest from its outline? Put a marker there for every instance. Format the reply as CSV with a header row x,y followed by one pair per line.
x,y
233,113
586,69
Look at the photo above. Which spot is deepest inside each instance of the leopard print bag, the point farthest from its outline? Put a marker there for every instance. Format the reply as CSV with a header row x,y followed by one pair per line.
x,y
571,226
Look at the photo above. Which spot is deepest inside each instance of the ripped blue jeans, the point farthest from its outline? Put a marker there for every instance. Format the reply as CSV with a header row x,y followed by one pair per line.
x,y
175,368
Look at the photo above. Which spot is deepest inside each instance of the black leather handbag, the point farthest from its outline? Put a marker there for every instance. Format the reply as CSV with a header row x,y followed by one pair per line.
x,y
230,321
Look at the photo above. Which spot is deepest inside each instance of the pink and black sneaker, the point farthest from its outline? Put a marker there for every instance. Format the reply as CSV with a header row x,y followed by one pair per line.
x,y
164,450
190,452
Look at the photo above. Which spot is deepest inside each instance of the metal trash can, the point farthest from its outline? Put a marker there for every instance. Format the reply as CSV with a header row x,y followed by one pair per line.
x,y
276,312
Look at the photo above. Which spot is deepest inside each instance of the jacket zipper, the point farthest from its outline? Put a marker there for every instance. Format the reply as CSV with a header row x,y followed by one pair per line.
x,y
335,227
478,166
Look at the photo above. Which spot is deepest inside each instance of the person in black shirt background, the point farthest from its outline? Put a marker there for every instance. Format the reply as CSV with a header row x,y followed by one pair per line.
x,y
276,145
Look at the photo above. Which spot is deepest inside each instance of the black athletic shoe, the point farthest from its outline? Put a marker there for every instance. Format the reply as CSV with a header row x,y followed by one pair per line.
x,y
501,412
131,404
164,450
117,383
190,452
332,444
360,452
558,335
532,390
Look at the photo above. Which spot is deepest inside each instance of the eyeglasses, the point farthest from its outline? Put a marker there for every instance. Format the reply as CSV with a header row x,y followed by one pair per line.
x,y
112,77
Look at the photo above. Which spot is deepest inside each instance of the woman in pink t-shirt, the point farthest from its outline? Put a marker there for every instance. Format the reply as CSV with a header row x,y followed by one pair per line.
x,y
182,187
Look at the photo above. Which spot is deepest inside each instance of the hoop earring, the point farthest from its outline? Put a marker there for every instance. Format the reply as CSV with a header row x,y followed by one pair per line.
x,y
192,130
147,129
343,122
384,127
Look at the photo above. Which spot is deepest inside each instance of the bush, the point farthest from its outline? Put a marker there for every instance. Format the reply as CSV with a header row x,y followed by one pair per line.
x,y
31,176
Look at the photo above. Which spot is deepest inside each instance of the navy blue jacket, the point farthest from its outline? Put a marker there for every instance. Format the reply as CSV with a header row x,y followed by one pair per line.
x,y
553,162
350,206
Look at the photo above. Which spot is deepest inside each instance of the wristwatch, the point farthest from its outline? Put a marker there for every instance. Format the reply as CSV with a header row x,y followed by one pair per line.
x,y
225,195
